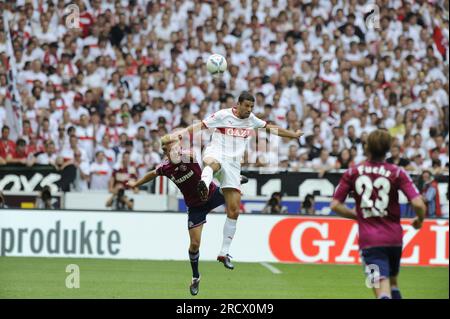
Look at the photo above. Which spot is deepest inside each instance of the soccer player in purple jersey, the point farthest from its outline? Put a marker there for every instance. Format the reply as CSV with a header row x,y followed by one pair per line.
x,y
375,185
186,174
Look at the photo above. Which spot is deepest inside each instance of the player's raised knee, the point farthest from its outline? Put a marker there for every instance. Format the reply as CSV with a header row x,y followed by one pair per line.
x,y
211,162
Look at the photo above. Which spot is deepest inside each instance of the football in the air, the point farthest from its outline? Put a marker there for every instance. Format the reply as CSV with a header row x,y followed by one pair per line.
x,y
216,64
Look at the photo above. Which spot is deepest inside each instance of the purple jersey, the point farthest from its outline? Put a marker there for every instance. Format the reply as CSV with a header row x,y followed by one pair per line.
x,y
375,187
186,176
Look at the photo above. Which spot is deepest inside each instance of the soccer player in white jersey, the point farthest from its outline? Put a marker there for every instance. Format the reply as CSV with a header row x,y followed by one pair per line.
x,y
223,155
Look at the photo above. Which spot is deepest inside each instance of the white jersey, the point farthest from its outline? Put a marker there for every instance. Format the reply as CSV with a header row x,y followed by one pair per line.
x,y
100,175
45,159
231,134
86,137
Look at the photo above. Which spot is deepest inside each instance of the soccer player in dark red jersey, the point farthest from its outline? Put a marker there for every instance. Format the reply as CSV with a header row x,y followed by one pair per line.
x,y
180,168
375,185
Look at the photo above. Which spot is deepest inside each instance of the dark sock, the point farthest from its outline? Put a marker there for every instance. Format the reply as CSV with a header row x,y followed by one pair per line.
x,y
395,293
193,256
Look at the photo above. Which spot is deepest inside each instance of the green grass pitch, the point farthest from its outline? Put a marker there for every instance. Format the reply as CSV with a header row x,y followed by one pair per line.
x,y
22,277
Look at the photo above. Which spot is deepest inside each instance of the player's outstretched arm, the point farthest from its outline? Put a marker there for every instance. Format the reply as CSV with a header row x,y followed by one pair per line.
x,y
178,135
275,129
342,210
147,178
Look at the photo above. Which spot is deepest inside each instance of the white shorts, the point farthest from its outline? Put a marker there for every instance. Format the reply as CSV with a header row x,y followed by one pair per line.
x,y
229,175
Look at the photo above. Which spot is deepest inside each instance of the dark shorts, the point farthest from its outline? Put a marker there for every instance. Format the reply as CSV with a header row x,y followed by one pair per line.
x,y
386,260
197,215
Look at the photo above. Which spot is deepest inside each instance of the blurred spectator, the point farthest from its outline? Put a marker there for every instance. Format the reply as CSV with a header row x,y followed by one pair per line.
x,y
7,146
122,173
105,147
85,136
274,206
20,155
49,156
73,146
2,201
344,159
430,193
308,205
120,201
445,205
323,163
45,200
100,172
61,138
396,158
149,160
82,168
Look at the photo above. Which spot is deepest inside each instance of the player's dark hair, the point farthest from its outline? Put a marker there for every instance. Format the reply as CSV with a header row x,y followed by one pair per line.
x,y
378,144
246,96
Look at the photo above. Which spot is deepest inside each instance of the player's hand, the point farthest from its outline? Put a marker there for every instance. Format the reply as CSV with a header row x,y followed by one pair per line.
x,y
131,184
417,223
298,133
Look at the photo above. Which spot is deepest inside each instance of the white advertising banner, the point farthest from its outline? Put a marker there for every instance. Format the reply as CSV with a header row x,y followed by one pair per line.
x,y
96,200
164,236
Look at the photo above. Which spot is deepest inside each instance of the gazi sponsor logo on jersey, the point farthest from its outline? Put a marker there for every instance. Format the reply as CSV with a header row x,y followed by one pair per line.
x,y
237,132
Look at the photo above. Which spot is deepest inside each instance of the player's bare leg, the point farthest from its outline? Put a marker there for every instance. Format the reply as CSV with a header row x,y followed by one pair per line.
x,y
232,201
395,290
210,166
384,289
195,235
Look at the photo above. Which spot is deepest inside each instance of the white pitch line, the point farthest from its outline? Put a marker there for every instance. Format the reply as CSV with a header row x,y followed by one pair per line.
x,y
273,269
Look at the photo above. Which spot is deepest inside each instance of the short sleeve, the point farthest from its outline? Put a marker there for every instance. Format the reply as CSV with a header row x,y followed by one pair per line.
x,y
214,120
406,185
256,122
160,169
344,187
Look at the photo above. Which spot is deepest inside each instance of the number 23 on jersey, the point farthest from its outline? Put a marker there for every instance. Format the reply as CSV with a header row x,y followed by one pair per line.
x,y
365,188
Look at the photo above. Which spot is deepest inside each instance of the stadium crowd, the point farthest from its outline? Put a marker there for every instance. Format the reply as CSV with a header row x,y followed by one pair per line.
x,y
99,96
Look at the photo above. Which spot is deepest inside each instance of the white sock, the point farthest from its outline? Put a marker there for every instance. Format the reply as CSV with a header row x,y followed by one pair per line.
x,y
229,229
207,175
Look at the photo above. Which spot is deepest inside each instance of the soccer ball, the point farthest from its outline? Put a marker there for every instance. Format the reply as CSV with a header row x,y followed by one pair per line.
x,y
216,64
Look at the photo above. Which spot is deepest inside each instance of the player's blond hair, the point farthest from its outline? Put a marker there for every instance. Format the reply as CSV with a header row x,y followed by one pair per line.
x,y
166,139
